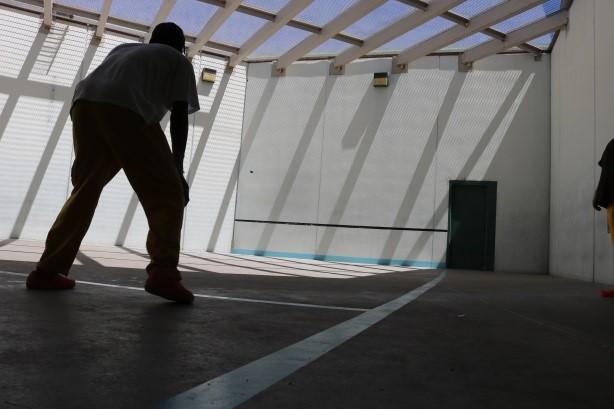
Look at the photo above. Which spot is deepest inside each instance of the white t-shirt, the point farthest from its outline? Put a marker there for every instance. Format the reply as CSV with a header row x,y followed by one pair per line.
x,y
144,78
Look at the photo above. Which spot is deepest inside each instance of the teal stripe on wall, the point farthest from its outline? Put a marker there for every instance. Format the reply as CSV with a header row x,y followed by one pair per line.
x,y
341,259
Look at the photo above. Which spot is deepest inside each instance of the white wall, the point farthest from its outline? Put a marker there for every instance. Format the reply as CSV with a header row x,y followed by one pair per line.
x,y
582,124
335,150
37,74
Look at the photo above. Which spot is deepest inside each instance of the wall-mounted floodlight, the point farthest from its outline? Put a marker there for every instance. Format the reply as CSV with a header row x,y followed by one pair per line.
x,y
208,75
380,79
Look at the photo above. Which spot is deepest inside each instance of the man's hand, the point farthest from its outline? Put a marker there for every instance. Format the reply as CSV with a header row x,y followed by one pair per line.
x,y
186,189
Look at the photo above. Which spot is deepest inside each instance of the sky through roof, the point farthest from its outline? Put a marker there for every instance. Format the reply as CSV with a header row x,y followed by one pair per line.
x,y
192,15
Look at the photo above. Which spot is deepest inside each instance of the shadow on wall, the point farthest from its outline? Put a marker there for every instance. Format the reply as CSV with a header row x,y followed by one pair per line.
x,y
497,125
53,63
360,135
475,111
417,181
297,160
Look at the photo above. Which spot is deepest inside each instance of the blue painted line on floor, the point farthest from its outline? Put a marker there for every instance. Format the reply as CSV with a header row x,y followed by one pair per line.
x,y
342,259
233,388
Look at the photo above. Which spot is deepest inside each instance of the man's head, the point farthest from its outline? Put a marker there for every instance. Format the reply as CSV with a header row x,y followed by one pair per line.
x,y
169,34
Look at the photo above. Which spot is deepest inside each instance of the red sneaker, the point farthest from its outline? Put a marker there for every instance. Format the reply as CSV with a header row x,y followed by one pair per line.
x,y
607,293
41,281
169,288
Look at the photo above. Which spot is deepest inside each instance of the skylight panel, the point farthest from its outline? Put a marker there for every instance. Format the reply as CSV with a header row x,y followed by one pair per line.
x,y
379,19
238,29
143,11
529,16
191,15
329,47
321,12
543,42
268,5
417,35
91,5
280,42
472,8
467,43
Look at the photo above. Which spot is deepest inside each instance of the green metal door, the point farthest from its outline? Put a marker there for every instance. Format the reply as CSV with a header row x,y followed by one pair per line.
x,y
471,225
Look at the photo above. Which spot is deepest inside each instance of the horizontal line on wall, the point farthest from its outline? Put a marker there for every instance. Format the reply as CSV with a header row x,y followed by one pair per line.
x,y
343,226
341,259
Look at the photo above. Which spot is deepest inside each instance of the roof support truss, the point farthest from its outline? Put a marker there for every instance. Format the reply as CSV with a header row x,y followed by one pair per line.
x,y
345,19
104,15
49,9
165,10
460,20
47,14
212,26
301,25
527,33
413,20
286,14
481,22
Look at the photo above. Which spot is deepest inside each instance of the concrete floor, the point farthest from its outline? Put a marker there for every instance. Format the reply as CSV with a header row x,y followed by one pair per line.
x,y
476,340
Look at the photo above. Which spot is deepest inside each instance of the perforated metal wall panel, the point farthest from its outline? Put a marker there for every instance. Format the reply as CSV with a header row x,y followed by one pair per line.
x,y
38,71
334,157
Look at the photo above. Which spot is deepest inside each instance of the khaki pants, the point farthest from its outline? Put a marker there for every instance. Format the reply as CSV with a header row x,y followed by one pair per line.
x,y
108,138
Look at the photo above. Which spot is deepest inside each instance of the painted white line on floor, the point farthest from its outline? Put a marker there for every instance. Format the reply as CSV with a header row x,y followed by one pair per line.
x,y
291,304
235,387
220,297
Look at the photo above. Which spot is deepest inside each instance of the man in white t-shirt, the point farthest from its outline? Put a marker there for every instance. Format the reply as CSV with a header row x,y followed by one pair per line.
x,y
116,117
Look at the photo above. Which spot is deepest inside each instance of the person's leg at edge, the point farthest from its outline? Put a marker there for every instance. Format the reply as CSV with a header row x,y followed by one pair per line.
x,y
146,158
93,168
610,293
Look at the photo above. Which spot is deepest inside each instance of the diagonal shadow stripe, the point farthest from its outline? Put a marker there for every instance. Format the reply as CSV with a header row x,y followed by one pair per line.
x,y
517,90
289,266
221,213
26,69
204,136
365,124
6,242
54,138
146,256
87,261
424,164
247,141
296,161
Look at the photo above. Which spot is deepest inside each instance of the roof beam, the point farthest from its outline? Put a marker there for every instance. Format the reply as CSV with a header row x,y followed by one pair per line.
x,y
104,15
114,24
47,13
463,21
287,13
413,20
301,25
345,19
527,33
212,26
457,33
165,10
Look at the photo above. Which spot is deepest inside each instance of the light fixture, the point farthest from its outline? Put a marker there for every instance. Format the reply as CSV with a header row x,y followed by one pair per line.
x,y
208,75
380,79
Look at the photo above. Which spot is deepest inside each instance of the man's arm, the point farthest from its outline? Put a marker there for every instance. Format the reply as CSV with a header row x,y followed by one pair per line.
x,y
179,132
179,138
